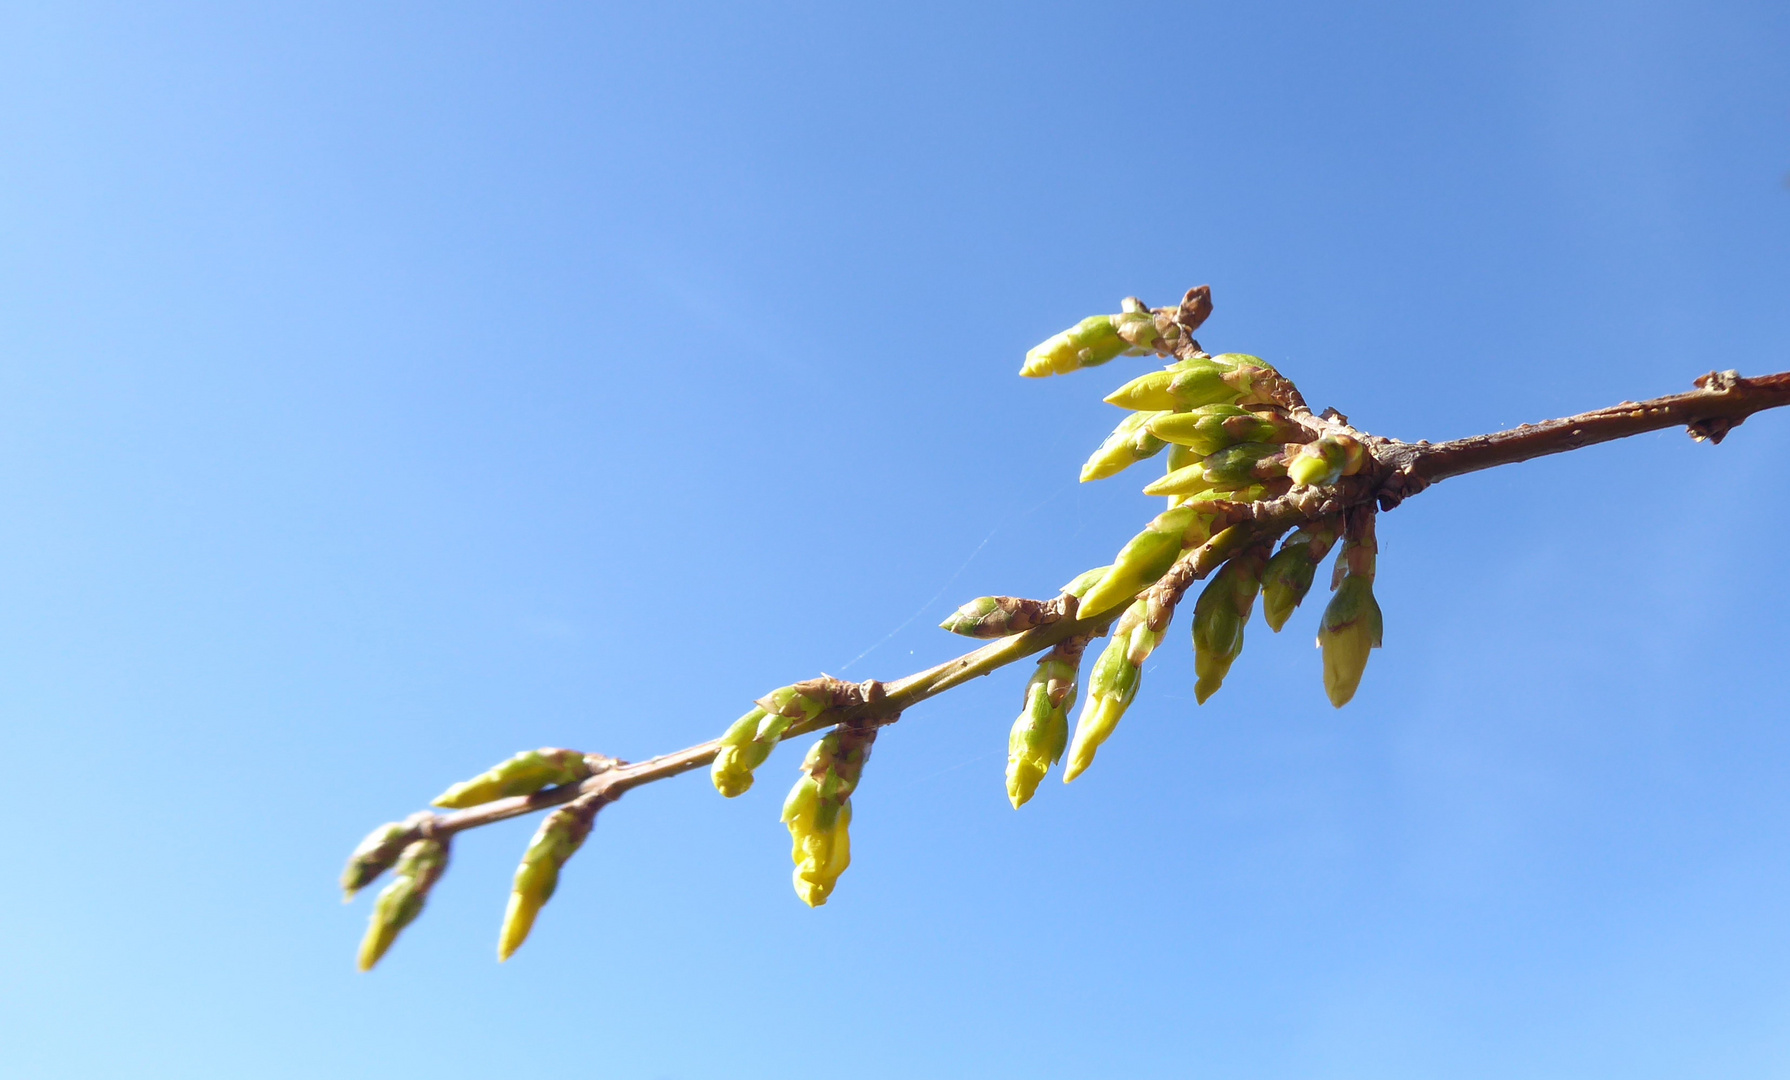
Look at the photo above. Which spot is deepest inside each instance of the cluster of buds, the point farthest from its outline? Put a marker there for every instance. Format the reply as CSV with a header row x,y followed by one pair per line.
x,y
818,810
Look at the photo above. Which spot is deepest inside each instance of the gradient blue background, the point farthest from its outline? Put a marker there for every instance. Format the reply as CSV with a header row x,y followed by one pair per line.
x,y
388,388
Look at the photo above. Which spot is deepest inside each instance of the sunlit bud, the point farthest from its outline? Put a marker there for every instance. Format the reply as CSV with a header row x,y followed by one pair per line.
x,y
1129,443
1089,343
793,702
744,747
561,834
1146,557
1111,689
524,774
1042,730
999,616
1325,461
1351,629
399,903
1219,616
1233,467
818,811
1288,575
1198,381
375,854
1085,580
1211,428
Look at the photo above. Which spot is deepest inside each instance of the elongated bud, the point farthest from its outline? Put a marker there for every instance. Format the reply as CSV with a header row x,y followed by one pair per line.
x,y
1231,379
1352,628
1288,575
999,616
1211,428
376,854
1111,688
1325,461
1089,343
1042,730
1233,467
560,835
1085,580
818,810
1147,557
524,774
1219,616
1130,443
399,903
744,747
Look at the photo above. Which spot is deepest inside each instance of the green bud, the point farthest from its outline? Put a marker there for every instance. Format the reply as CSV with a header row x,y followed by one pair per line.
x,y
560,835
1146,557
818,811
375,854
1211,428
1233,467
524,774
744,747
792,702
1219,616
1199,381
1111,689
1042,730
1325,461
399,903
1351,629
1089,343
1128,444
1289,573
999,616
1085,580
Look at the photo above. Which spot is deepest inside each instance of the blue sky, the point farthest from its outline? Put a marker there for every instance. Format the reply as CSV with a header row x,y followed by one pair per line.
x,y
388,388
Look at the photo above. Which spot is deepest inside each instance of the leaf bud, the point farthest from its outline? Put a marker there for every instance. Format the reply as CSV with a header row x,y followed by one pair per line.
x,y
1219,616
1111,689
1233,467
1351,629
1089,343
1288,575
1146,557
1129,443
1211,428
376,854
399,903
560,835
1042,730
999,616
524,774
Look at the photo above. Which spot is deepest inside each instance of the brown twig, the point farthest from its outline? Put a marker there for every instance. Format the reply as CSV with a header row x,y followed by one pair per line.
x,y
1396,471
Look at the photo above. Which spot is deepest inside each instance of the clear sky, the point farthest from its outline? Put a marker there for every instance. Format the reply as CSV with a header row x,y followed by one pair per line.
x,y
386,388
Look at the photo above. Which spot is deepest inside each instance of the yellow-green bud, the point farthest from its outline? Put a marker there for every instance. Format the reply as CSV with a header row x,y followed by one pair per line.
x,y
375,854
1089,343
1219,616
745,745
1211,428
1325,461
1042,730
1147,557
560,835
1129,443
1085,580
1203,380
399,903
818,811
1233,467
792,702
1111,689
1288,575
1351,629
999,616
524,774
